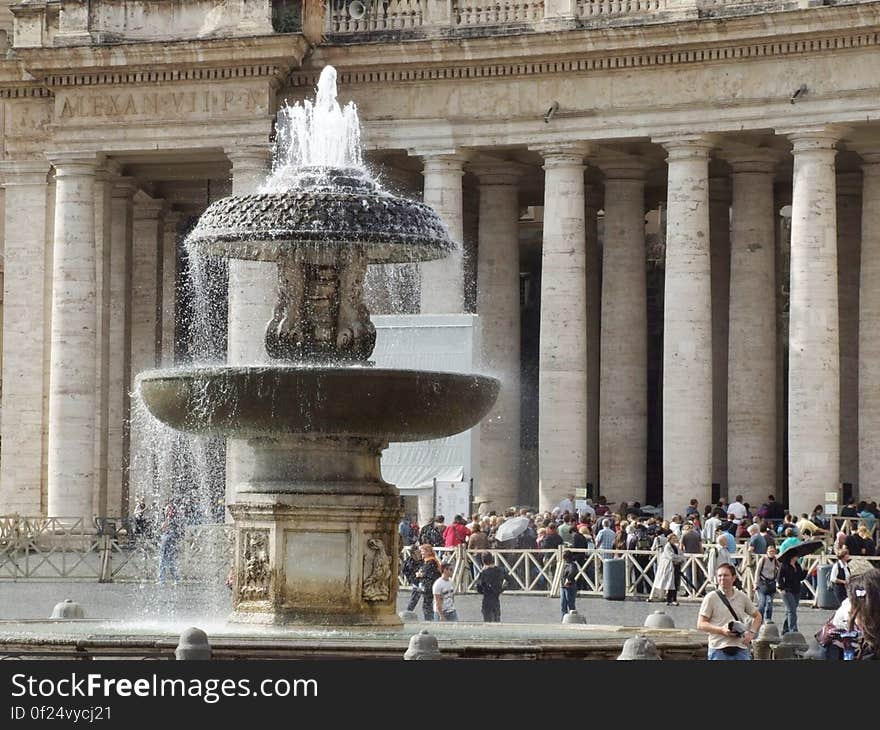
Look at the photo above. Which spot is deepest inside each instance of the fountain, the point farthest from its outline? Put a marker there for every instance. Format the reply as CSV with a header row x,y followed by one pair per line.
x,y
315,524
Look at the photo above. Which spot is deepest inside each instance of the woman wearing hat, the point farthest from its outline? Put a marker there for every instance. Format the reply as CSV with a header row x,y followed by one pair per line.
x,y
791,574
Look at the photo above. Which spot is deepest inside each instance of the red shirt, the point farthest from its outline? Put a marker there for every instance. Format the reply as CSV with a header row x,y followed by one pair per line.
x,y
455,535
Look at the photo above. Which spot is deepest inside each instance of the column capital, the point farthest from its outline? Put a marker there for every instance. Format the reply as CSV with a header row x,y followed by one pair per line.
x,y
124,187
496,173
686,147
821,139
24,172
252,155
75,163
759,160
622,167
870,159
433,162
561,154
146,207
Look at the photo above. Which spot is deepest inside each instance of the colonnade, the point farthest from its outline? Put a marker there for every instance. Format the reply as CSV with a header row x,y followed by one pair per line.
x,y
720,361
99,307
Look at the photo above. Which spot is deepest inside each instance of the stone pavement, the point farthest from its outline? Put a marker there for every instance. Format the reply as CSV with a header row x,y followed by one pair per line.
x,y
33,599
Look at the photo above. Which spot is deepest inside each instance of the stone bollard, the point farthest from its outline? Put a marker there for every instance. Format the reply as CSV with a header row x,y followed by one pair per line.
x,y
614,579
638,648
408,617
767,638
826,598
67,609
573,617
422,646
193,645
659,620
815,651
792,646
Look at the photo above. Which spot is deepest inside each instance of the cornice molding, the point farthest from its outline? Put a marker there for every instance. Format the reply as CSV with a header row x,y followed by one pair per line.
x,y
649,58
674,43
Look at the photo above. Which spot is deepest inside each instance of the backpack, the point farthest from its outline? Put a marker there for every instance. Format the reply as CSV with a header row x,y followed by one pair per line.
x,y
643,541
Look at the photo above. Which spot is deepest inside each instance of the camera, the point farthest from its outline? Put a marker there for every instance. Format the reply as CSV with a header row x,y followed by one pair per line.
x,y
737,627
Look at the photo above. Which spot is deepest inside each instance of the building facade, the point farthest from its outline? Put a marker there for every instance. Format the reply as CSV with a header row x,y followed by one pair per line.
x,y
668,211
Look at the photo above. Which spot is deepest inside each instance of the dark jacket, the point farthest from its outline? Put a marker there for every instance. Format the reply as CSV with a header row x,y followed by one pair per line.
x,y
569,574
790,577
492,581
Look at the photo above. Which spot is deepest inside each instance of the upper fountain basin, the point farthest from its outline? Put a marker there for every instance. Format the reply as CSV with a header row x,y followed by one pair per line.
x,y
362,402
324,207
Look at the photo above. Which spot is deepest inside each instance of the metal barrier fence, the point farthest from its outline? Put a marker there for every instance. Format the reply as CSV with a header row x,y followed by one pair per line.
x,y
53,548
539,572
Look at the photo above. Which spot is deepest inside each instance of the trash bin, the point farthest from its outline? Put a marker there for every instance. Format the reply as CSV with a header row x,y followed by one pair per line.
x,y
825,596
614,579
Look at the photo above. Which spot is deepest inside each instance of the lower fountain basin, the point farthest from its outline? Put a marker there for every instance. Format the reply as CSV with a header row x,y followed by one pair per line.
x,y
362,402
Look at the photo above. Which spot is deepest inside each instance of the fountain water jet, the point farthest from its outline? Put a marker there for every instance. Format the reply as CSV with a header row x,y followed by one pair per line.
x,y
315,525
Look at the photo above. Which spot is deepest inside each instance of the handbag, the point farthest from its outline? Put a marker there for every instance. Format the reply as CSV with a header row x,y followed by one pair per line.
x,y
769,585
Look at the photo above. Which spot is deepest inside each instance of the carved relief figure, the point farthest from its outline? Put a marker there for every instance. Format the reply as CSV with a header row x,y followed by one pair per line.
x,y
286,334
377,572
254,584
355,333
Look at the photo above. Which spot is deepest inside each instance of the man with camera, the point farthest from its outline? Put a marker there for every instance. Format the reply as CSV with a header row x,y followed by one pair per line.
x,y
723,614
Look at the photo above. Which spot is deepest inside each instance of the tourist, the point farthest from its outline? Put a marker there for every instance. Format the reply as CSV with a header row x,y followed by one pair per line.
x,y
720,555
427,574
432,533
605,536
443,591
140,517
567,504
840,574
723,615
757,542
568,592
789,580
491,583
766,573
457,533
669,571
171,532
407,535
864,596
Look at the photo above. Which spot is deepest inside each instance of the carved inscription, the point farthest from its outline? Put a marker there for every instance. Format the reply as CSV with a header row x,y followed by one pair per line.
x,y
158,104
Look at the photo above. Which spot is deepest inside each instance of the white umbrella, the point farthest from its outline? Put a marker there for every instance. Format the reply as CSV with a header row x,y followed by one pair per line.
x,y
509,529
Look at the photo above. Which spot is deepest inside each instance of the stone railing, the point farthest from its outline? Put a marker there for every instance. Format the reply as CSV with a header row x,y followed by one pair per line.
x,y
343,17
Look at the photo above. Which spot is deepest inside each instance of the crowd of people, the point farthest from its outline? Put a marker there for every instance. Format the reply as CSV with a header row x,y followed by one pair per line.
x,y
726,532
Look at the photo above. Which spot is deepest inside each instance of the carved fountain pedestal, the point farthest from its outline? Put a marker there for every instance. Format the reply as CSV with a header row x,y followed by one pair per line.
x,y
321,548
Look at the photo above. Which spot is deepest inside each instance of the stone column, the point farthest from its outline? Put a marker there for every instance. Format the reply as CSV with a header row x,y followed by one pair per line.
x,y
119,374
623,414
145,293
103,190
687,328
719,255
25,322
252,284
562,380
442,288
592,271
170,236
252,292
498,308
814,347
751,379
849,232
72,381
869,325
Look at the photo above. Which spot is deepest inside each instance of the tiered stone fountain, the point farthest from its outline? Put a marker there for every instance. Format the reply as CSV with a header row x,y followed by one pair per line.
x,y
315,524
